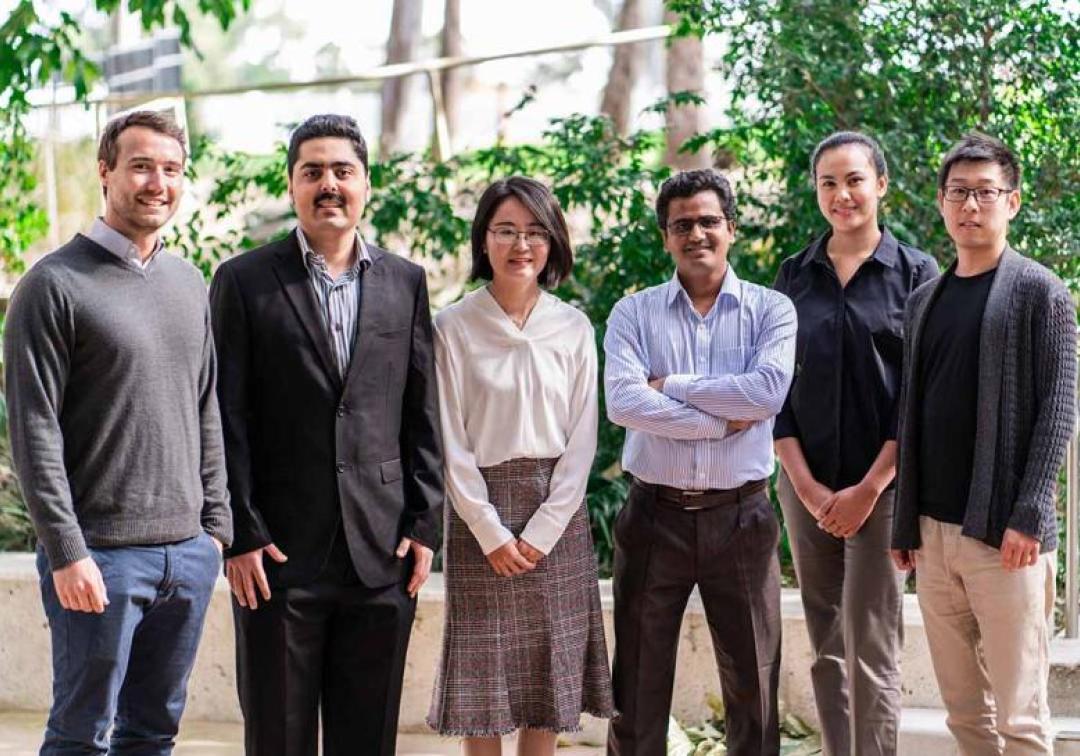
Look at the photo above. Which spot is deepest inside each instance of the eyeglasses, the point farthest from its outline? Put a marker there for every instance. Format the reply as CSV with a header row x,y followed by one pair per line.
x,y
984,195
684,226
533,237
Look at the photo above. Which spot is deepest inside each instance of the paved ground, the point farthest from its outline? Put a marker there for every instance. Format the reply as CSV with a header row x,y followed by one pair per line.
x,y
20,733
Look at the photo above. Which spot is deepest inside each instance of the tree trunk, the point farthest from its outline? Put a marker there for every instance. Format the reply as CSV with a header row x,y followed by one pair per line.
x,y
626,64
400,47
685,73
453,80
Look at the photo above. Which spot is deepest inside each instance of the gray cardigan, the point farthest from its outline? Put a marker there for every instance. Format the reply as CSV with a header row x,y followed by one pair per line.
x,y
1026,409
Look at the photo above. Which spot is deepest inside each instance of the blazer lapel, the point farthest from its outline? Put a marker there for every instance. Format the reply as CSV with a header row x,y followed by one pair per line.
x,y
372,301
290,270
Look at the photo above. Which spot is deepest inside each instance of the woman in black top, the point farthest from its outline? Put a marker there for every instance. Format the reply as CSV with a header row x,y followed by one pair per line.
x,y
836,441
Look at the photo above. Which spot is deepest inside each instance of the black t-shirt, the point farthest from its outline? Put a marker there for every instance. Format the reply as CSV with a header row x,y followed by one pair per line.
x,y
948,393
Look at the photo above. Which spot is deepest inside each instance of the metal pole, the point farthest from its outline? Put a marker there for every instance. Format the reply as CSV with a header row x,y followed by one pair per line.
x,y
1072,543
442,148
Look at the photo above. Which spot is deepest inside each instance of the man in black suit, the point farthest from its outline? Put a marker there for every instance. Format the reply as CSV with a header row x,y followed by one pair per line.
x,y
327,389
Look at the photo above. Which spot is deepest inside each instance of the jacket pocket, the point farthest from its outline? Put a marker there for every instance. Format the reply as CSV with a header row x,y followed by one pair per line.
x,y
390,470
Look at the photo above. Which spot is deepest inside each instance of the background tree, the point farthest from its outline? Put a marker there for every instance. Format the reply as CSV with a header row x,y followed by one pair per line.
x,y
453,79
626,64
915,74
684,119
401,45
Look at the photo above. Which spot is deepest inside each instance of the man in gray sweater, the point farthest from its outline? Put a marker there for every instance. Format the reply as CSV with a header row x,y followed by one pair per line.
x,y
988,404
109,367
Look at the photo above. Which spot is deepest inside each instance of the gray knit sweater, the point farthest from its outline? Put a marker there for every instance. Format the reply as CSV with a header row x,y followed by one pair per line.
x,y
114,422
1026,407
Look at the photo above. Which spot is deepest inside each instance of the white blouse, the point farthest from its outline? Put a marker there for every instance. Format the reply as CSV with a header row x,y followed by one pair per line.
x,y
507,393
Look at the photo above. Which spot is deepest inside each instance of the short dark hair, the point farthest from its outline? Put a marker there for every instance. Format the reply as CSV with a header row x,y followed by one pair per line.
x,y
327,125
977,147
689,183
161,122
539,201
841,138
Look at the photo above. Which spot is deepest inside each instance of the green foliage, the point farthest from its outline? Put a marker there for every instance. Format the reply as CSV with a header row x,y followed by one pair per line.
x,y
914,74
797,738
38,50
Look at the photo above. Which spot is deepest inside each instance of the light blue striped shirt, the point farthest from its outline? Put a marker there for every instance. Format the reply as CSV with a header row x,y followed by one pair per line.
x,y
339,299
734,363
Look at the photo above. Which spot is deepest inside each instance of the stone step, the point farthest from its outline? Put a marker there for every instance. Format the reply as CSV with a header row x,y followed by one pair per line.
x,y
1065,677
923,733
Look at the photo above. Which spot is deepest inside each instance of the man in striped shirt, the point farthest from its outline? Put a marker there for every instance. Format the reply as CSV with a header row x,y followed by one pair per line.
x,y
696,370
330,419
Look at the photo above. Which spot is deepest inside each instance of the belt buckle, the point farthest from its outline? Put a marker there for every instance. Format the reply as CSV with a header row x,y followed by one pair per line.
x,y
689,495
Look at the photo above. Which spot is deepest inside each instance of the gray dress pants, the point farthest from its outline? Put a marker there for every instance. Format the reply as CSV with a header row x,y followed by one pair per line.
x,y
853,599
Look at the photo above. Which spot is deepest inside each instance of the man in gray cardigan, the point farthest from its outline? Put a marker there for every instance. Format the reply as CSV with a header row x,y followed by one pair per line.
x,y
988,404
116,439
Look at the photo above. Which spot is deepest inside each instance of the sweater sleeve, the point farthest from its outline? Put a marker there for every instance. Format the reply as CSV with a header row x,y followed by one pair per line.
x,y
38,337
464,483
1054,357
216,517
570,477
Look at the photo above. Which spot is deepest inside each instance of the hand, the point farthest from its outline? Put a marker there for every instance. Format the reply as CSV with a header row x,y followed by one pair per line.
x,y
844,514
421,564
1018,550
657,383
80,587
245,572
814,496
531,553
736,426
904,559
507,560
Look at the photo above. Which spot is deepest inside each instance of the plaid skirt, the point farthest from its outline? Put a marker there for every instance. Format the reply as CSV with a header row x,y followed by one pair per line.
x,y
521,651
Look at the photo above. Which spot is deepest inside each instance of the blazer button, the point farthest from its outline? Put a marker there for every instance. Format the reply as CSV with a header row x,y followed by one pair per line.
x,y
341,410
341,467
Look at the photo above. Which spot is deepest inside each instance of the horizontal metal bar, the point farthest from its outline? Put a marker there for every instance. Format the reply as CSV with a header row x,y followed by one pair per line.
x,y
381,73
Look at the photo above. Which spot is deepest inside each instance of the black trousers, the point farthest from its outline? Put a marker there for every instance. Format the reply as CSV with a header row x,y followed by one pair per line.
x,y
333,645
730,553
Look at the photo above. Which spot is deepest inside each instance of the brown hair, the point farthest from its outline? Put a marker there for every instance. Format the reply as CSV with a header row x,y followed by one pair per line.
x,y
108,147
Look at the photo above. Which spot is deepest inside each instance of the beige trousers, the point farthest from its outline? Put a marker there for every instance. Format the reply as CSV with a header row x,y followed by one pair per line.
x,y
988,630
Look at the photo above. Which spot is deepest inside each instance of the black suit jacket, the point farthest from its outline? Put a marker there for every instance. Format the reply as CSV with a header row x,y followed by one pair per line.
x,y
306,451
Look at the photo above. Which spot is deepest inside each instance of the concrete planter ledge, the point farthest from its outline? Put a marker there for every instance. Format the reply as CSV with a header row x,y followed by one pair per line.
x,y
25,662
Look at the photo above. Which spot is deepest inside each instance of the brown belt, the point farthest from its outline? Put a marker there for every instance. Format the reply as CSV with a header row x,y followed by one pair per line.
x,y
692,500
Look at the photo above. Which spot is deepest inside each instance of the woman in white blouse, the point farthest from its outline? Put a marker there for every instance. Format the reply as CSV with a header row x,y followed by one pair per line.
x,y
523,647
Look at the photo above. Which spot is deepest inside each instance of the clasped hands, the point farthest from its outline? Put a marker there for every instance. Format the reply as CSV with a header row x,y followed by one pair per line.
x,y
839,513
515,557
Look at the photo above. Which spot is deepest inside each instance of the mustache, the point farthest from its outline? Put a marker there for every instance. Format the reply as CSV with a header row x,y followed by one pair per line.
x,y
333,196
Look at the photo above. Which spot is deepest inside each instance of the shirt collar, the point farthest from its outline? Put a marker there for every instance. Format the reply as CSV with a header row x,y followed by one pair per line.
x,y
104,235
731,287
887,251
310,256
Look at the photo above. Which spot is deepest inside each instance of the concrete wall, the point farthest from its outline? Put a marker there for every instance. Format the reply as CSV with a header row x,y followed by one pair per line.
x,y
25,674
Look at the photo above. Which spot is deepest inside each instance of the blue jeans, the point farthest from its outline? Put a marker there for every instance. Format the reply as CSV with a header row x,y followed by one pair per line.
x,y
127,668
